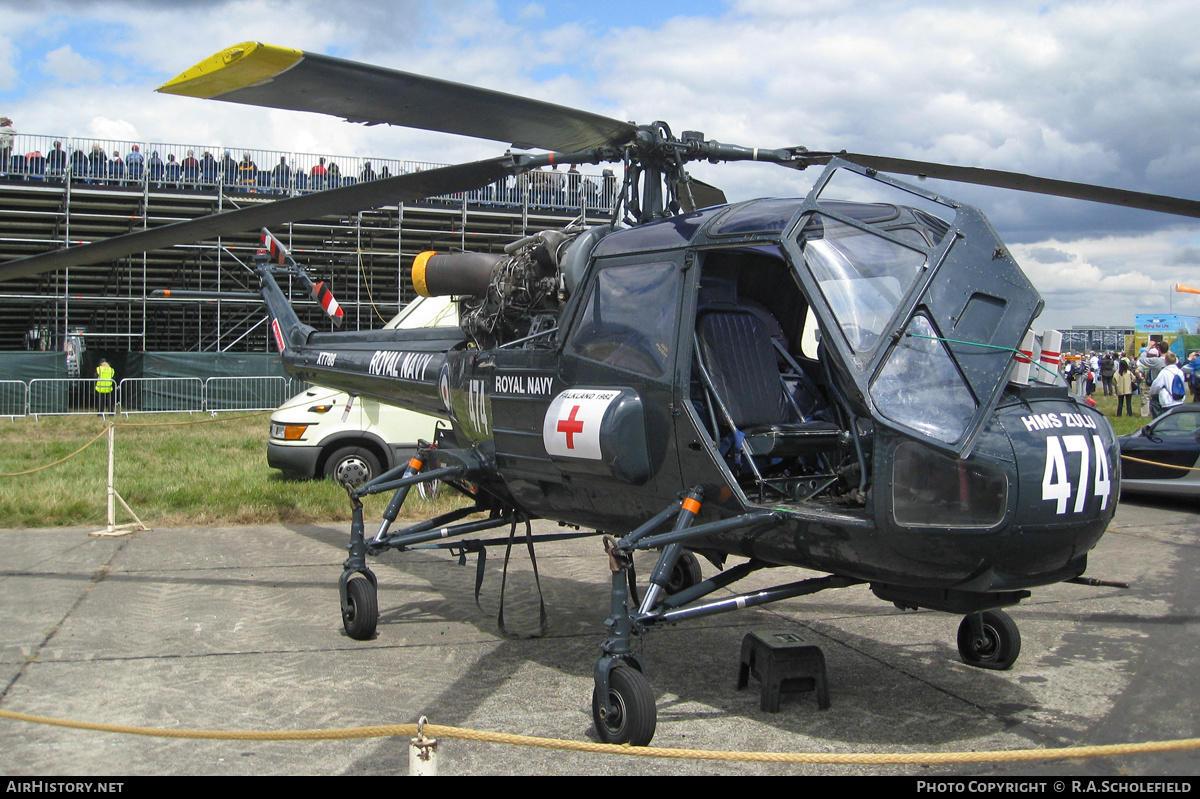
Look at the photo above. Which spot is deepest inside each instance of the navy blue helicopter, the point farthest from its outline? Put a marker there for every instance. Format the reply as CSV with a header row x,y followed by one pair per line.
x,y
846,382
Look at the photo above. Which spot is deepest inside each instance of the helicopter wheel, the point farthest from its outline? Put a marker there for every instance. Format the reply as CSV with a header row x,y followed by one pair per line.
x,y
685,574
634,715
997,648
361,615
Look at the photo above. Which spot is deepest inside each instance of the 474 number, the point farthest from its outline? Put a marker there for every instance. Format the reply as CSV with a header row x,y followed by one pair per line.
x,y
1059,484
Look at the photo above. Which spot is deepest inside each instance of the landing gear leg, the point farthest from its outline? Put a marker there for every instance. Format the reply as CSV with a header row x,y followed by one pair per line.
x,y
358,587
989,640
622,700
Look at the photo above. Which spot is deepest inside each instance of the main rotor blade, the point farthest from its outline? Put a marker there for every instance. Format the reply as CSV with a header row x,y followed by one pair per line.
x,y
277,77
344,200
1020,182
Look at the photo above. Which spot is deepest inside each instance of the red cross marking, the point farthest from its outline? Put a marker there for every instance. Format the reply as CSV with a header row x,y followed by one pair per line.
x,y
571,426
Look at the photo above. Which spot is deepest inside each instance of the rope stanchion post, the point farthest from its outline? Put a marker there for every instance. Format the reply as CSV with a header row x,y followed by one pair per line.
x,y
422,753
113,529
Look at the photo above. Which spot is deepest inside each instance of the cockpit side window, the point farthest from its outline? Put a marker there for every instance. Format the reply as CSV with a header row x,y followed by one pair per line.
x,y
629,320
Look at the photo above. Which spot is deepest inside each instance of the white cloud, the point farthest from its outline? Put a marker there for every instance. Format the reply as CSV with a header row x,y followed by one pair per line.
x,y
68,67
532,11
8,69
101,127
1106,281
1099,92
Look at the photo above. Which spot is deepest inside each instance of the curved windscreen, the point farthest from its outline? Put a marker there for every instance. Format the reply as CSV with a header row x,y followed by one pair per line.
x,y
862,276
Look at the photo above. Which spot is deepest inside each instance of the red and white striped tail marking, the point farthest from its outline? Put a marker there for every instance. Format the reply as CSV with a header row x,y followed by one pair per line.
x,y
275,331
325,297
274,246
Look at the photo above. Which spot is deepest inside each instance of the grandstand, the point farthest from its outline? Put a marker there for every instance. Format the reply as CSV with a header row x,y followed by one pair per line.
x,y
61,190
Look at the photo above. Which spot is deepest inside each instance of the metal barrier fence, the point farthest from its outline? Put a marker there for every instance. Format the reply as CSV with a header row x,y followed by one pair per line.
x,y
249,393
160,395
14,398
62,396
159,165
66,396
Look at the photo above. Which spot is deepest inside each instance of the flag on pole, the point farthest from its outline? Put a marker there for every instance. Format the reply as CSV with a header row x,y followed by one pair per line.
x,y
1179,287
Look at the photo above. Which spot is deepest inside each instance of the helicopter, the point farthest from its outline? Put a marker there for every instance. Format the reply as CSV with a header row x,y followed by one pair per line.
x,y
846,382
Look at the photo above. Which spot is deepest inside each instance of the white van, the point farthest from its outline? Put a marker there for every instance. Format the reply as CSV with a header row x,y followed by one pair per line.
x,y
312,435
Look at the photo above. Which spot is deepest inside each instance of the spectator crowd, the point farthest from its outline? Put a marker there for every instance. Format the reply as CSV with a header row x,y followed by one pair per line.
x,y
35,159
1156,376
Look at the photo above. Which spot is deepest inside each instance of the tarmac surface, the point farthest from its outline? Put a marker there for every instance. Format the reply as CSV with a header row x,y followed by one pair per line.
x,y
226,628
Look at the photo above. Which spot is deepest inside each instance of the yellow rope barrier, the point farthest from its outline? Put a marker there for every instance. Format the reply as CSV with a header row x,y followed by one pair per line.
x,y
60,460
438,731
194,421
1159,463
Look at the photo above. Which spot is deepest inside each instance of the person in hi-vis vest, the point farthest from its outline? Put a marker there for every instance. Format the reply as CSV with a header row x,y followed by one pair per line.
x,y
104,387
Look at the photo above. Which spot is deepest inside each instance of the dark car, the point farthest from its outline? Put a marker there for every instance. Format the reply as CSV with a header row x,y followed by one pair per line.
x,y
1172,440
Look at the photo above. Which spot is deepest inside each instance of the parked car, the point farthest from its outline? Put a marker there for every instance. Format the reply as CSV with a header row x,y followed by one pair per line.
x,y
1172,439
314,435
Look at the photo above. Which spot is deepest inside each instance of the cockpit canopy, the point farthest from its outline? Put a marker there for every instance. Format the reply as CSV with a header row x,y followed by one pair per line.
x,y
919,304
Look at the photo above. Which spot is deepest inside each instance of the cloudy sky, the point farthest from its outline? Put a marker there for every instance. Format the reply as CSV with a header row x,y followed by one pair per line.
x,y
1099,92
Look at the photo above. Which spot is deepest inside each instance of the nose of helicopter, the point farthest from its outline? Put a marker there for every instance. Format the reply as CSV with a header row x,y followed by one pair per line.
x,y
1067,481
1024,509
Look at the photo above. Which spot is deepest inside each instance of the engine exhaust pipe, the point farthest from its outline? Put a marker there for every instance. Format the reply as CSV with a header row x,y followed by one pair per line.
x,y
455,273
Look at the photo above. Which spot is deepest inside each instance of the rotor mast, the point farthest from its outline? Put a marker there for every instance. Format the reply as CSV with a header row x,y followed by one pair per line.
x,y
656,184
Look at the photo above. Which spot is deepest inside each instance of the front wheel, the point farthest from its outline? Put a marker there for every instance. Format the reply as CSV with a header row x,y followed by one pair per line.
x,y
633,716
996,648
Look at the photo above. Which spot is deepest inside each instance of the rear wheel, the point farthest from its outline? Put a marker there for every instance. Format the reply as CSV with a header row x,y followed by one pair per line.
x,y
685,574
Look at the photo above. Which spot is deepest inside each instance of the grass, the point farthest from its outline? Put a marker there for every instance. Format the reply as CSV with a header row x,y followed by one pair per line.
x,y
192,470
171,469
1125,424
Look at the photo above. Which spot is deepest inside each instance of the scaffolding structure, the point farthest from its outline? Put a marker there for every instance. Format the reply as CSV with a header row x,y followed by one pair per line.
x,y
46,204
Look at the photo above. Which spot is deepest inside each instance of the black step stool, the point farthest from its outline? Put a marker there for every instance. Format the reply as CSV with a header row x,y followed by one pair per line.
x,y
782,661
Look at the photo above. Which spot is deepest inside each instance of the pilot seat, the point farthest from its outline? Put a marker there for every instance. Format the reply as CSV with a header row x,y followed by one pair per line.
x,y
776,426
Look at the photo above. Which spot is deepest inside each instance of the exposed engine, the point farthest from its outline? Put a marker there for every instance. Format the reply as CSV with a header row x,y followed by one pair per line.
x,y
502,298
